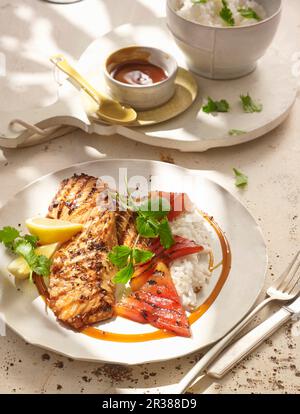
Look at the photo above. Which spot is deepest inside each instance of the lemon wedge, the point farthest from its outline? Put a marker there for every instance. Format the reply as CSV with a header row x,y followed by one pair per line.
x,y
52,231
19,267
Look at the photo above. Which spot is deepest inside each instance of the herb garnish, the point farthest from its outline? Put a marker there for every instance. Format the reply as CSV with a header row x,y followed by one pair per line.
x,y
226,14
199,1
241,179
125,259
216,106
249,105
236,132
151,222
249,13
24,246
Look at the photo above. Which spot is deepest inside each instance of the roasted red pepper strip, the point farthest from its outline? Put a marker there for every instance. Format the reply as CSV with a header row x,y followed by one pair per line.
x,y
182,247
156,302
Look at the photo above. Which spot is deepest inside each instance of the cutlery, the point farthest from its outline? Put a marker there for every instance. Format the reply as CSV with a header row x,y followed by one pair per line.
x,y
109,109
249,342
286,288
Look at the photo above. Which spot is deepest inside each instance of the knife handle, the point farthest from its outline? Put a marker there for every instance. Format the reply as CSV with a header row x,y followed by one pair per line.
x,y
246,344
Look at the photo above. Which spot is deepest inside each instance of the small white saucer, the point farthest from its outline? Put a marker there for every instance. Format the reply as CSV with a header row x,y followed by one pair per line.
x,y
185,95
271,84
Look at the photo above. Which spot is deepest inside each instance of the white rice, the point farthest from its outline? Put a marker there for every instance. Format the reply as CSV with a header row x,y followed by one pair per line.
x,y
191,273
209,13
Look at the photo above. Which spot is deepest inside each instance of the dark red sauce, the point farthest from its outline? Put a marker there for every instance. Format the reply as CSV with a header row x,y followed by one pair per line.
x,y
138,73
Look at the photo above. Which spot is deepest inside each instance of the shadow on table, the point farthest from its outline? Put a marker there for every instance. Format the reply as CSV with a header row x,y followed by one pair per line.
x,y
32,31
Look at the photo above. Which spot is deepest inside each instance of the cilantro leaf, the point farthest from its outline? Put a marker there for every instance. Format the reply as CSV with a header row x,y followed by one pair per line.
x,y
249,13
165,234
241,179
125,274
8,235
150,213
158,208
119,255
210,106
38,264
125,258
222,106
199,1
24,246
141,256
216,106
41,265
249,105
33,240
152,220
236,132
147,227
226,14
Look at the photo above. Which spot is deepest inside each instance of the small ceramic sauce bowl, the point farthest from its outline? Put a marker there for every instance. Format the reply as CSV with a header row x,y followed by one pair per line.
x,y
142,77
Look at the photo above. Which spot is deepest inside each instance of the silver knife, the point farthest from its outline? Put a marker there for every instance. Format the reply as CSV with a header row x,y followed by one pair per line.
x,y
242,347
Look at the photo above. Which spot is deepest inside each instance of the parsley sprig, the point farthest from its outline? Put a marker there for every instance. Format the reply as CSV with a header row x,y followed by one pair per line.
x,y
24,246
199,1
226,14
125,258
249,105
216,106
151,222
241,180
236,132
249,13
151,216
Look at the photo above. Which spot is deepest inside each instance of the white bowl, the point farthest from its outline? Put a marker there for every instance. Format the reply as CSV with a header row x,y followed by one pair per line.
x,y
223,52
142,97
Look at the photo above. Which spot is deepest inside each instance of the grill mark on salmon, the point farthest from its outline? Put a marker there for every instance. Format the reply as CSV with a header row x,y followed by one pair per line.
x,y
125,227
58,203
81,291
74,202
127,232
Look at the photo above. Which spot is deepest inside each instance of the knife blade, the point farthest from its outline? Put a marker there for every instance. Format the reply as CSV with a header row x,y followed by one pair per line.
x,y
294,307
242,347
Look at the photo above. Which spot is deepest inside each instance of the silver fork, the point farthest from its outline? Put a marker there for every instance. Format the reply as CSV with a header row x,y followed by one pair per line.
x,y
286,288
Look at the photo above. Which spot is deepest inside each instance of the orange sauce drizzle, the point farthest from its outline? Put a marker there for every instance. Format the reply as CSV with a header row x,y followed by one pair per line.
x,y
97,333
211,261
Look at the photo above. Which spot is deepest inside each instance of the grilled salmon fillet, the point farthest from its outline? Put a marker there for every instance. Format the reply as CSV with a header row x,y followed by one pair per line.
x,y
76,199
81,291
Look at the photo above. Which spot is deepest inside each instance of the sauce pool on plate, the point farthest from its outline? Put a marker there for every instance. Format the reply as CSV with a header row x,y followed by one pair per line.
x,y
97,333
138,73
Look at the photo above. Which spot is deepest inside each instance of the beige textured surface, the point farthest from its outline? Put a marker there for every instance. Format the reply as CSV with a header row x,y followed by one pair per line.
x,y
273,196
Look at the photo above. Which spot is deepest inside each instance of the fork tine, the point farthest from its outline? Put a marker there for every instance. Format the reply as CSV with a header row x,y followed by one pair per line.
x,y
290,273
296,286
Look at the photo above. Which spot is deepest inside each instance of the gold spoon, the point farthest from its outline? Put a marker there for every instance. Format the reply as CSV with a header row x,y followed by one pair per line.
x,y
109,110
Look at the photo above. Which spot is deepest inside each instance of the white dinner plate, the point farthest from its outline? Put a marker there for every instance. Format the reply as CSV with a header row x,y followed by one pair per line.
x,y
224,301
